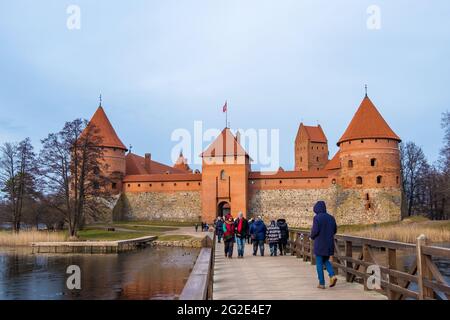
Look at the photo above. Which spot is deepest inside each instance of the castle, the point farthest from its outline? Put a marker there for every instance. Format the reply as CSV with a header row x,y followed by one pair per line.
x,y
360,184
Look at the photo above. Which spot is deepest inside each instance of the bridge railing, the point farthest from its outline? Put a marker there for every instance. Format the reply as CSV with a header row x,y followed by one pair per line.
x,y
199,285
405,270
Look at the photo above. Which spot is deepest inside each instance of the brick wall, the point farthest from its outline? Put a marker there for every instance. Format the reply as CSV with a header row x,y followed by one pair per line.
x,y
181,206
296,205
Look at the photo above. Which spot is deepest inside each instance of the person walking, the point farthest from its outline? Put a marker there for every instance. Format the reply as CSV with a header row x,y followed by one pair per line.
x,y
219,228
322,232
284,235
241,227
228,235
196,227
258,232
249,237
273,237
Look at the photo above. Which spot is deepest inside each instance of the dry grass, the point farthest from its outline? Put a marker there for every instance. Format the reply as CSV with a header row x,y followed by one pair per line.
x,y
25,238
408,231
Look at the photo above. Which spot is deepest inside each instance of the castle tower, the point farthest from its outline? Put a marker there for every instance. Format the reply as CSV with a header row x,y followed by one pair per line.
x,y
226,167
311,148
182,163
113,149
369,152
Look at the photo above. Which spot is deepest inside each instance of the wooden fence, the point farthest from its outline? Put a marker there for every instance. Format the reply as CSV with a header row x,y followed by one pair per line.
x,y
199,285
354,255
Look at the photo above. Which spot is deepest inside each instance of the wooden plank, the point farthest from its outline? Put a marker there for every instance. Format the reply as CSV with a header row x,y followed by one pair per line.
x,y
377,243
196,287
436,251
392,265
348,253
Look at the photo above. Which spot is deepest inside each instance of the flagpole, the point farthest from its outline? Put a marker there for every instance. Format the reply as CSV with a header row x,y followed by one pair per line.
x,y
226,116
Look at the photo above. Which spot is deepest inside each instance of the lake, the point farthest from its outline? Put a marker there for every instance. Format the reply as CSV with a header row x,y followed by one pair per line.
x,y
151,273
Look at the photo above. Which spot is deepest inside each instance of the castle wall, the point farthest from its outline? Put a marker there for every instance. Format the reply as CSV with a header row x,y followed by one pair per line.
x,y
183,206
349,206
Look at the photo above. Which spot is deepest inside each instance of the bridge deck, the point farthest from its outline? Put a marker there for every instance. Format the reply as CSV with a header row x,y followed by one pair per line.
x,y
279,278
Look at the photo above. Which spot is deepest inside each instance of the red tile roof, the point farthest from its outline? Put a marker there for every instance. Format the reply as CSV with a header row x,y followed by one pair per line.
x,y
162,177
334,163
225,144
368,123
135,165
288,174
105,130
313,134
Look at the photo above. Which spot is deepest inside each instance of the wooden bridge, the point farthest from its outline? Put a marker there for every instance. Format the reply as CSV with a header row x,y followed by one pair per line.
x,y
294,276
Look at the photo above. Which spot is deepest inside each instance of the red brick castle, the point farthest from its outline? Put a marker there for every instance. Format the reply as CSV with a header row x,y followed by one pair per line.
x,y
361,183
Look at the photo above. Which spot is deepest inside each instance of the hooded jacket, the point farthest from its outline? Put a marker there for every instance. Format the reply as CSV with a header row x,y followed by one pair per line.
x,y
228,229
323,230
258,230
283,229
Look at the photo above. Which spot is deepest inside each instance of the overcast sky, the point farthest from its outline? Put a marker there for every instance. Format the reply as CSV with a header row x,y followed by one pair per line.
x,y
161,65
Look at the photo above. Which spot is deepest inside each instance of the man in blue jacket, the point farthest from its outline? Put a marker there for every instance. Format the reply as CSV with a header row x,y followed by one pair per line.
x,y
258,232
323,230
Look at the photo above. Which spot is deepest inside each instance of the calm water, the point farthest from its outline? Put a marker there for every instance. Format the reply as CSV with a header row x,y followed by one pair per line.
x,y
152,273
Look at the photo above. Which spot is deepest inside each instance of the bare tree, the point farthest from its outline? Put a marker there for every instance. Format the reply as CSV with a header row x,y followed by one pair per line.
x,y
72,167
413,165
17,176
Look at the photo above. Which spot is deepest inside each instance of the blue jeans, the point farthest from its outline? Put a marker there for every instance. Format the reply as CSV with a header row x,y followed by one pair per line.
x,y
240,246
320,261
273,248
260,244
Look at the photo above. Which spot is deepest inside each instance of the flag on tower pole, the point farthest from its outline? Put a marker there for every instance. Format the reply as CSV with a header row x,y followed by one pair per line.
x,y
225,110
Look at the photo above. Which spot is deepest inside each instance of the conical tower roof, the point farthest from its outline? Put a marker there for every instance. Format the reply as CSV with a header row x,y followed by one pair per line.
x,y
105,130
368,123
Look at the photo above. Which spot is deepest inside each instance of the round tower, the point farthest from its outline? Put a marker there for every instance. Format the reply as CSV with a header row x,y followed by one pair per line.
x,y
369,151
113,150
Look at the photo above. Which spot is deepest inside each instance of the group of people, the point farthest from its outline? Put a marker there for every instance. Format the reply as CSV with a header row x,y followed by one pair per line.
x,y
255,231
204,226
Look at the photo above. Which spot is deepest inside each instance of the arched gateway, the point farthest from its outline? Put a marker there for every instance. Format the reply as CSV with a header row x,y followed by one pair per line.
x,y
223,209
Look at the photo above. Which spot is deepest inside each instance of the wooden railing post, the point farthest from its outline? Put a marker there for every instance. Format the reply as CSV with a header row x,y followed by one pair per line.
x,y
311,251
366,253
423,272
392,265
348,253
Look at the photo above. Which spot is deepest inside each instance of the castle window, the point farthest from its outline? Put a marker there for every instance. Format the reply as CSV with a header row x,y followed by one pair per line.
x,y
350,163
398,180
150,185
376,140
187,184
162,184
333,181
174,184
199,183
379,179
367,197
362,141
349,142
309,181
281,182
139,185
301,159
318,169
373,162
128,185
317,158
359,180
222,175
113,185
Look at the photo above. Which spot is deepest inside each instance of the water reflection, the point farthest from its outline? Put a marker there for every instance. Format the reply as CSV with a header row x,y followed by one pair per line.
x,y
152,273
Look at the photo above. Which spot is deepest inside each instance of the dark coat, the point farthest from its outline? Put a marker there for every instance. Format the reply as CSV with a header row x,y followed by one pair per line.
x,y
283,229
323,230
219,227
244,230
258,230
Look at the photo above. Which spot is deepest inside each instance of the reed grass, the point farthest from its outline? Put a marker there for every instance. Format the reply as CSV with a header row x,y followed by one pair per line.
x,y
407,231
25,238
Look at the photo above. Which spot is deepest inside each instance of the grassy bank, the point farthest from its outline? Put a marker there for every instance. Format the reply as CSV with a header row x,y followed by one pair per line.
x,y
25,238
